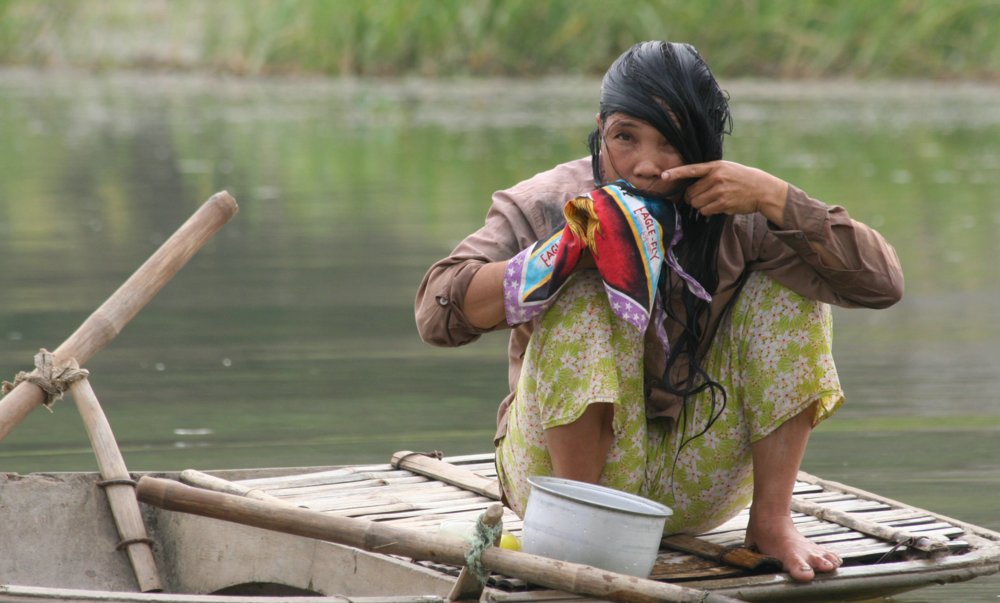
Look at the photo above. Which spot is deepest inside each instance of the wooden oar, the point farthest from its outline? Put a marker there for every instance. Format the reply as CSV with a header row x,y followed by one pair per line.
x,y
110,318
388,539
463,478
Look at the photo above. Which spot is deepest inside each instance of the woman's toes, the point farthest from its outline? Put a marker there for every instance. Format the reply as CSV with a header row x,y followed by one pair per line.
x,y
799,570
824,565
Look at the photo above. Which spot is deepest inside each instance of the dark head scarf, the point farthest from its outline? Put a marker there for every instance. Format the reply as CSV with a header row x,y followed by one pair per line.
x,y
669,86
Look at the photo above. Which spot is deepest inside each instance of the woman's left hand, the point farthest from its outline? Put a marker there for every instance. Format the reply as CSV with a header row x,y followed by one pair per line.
x,y
725,187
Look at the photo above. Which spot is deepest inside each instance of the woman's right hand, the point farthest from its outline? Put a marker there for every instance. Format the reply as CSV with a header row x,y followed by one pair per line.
x,y
726,187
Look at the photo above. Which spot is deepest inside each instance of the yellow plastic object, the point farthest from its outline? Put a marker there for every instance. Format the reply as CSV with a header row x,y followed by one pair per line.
x,y
510,542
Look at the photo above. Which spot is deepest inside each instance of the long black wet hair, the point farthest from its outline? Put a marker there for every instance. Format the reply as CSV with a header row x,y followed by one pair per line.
x,y
669,86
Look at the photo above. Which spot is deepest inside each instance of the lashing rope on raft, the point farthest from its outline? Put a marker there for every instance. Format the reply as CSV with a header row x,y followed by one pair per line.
x,y
52,379
484,538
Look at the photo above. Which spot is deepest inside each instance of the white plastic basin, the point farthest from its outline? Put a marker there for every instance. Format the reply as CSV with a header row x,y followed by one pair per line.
x,y
594,525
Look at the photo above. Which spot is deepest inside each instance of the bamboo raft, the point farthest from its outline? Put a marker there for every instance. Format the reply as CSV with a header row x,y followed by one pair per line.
x,y
888,547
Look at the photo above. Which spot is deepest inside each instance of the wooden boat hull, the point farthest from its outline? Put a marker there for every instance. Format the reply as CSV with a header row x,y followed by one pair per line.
x,y
64,538
60,544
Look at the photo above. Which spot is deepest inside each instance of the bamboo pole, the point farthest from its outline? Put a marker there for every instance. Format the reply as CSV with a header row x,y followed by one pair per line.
x,y
834,485
101,327
925,543
119,487
382,538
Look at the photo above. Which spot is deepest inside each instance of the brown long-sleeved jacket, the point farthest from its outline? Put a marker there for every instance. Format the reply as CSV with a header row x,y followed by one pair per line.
x,y
821,253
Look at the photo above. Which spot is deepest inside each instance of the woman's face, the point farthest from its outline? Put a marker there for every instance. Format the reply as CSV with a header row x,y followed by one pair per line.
x,y
633,150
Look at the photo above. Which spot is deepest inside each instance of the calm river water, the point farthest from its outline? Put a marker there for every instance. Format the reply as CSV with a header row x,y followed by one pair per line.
x,y
289,339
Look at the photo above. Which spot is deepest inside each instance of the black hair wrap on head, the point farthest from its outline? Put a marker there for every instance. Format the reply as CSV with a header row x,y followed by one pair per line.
x,y
669,86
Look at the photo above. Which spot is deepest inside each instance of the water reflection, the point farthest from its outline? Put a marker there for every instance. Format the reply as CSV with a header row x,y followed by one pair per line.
x,y
289,339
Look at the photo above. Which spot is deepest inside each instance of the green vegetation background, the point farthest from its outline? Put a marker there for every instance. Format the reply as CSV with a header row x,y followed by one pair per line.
x,y
938,39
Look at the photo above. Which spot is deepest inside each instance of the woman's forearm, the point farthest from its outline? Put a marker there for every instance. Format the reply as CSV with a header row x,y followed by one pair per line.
x,y
483,303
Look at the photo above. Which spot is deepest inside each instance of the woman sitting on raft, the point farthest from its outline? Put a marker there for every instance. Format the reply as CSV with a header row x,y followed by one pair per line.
x,y
673,340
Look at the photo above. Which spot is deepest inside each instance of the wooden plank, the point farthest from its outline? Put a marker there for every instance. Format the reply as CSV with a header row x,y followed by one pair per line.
x,y
359,487
411,509
447,473
354,480
399,490
857,505
826,497
432,523
736,530
368,501
485,458
419,490
336,503
739,524
691,567
314,477
806,488
734,556
481,468
444,510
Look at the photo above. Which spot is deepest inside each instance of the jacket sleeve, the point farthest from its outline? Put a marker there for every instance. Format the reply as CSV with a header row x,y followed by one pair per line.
x,y
825,255
439,304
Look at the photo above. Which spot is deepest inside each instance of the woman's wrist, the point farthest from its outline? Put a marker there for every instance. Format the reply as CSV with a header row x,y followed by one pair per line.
x,y
772,204
483,302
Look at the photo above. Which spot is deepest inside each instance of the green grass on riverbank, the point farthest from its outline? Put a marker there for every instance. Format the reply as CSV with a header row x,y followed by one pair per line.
x,y
751,38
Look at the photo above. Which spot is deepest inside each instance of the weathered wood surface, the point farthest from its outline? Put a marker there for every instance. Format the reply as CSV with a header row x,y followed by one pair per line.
x,y
411,504
446,472
388,539
14,593
119,487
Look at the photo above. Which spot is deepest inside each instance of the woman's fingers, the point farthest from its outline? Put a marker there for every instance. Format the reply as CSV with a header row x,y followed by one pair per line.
x,y
690,170
725,187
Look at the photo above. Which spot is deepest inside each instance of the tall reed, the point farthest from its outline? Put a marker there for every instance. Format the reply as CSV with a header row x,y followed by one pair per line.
x,y
764,38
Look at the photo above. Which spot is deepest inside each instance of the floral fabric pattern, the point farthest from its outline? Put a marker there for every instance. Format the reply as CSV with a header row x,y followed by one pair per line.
x,y
772,354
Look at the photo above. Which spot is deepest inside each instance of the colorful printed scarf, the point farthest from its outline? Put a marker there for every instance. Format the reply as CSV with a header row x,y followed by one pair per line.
x,y
626,236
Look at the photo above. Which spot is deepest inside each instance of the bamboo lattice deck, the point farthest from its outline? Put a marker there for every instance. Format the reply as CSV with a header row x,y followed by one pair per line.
x,y
872,565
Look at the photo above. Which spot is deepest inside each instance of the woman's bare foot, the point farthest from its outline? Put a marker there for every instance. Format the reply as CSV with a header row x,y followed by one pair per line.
x,y
777,537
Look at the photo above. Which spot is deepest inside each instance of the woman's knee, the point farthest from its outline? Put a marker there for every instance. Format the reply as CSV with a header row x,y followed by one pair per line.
x,y
768,313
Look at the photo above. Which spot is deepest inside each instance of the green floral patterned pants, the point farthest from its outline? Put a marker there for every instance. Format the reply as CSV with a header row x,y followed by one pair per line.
x,y
772,354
